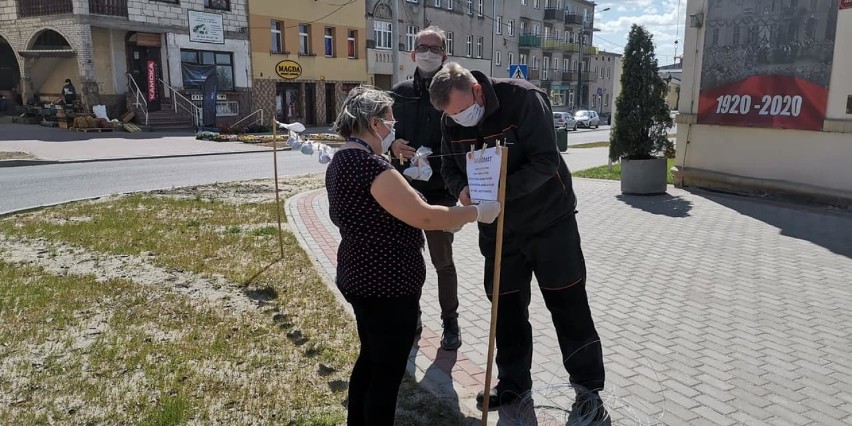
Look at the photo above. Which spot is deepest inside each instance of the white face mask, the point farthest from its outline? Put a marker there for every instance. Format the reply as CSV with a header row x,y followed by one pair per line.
x,y
388,140
469,117
428,62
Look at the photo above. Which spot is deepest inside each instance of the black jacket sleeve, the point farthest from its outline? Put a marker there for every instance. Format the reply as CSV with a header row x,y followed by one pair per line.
x,y
537,142
454,177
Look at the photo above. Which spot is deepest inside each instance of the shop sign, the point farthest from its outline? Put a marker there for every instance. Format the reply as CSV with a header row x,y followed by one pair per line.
x,y
206,27
289,70
152,80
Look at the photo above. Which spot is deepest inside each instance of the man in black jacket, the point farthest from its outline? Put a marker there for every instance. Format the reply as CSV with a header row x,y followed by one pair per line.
x,y
418,124
540,229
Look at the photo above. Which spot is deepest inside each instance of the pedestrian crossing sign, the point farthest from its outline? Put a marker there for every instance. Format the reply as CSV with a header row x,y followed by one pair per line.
x,y
518,71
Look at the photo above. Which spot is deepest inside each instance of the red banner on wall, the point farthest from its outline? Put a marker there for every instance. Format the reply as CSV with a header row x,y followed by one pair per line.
x,y
846,4
770,69
152,80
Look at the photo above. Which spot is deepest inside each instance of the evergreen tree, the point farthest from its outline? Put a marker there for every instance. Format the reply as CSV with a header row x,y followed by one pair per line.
x,y
642,118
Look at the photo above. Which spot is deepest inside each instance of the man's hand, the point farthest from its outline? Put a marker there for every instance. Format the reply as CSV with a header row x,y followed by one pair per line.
x,y
464,197
401,151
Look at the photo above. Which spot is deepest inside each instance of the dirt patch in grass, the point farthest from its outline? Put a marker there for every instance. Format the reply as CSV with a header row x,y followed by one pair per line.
x,y
16,155
172,308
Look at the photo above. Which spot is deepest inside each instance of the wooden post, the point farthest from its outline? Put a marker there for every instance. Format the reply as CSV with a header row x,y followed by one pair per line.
x,y
495,291
277,200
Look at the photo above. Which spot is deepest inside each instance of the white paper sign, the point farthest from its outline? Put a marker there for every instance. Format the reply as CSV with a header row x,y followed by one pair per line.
x,y
206,27
483,174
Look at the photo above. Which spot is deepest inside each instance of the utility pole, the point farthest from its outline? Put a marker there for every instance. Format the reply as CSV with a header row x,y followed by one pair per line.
x,y
395,41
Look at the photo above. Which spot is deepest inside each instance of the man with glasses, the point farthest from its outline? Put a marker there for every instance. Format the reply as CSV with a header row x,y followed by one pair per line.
x,y
418,125
540,234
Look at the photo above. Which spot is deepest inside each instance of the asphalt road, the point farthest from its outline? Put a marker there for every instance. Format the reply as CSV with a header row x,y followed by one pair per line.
x,y
32,186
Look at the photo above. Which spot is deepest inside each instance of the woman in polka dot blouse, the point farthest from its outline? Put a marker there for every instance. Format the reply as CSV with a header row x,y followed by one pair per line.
x,y
380,268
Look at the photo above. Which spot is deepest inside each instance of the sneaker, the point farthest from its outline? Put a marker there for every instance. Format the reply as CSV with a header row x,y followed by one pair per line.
x,y
451,338
496,399
588,410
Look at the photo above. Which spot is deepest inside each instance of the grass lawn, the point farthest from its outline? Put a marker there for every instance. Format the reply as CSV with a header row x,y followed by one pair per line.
x,y
590,145
603,172
83,349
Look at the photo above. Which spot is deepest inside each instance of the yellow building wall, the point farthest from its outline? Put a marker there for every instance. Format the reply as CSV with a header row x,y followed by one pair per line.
x,y
103,60
316,66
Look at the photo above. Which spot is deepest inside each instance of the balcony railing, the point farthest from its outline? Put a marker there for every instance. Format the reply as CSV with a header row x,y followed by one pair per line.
x,y
108,7
530,40
573,19
554,14
27,8
534,75
553,44
569,76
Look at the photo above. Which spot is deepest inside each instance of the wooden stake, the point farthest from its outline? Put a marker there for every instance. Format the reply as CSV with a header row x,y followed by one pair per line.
x,y
495,291
277,201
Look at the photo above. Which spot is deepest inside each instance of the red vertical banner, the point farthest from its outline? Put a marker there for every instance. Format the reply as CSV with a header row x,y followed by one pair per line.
x,y
768,67
152,80
846,4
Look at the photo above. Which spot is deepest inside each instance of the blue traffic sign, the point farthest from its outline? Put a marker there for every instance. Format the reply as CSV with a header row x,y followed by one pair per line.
x,y
518,71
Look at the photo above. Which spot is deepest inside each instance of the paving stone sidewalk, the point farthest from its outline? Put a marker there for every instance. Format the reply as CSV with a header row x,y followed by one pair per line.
x,y
712,309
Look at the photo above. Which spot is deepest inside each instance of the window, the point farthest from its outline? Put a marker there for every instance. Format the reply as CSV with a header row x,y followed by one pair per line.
x,y
479,42
535,63
523,28
222,60
451,4
469,46
277,45
497,57
382,33
545,70
566,64
479,8
498,25
437,3
602,72
410,37
594,101
352,43
510,27
536,29
218,4
328,40
304,39
451,45
470,7
523,59
536,4
524,2
511,58
606,99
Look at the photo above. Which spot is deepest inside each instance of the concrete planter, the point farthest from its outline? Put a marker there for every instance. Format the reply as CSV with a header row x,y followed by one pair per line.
x,y
643,177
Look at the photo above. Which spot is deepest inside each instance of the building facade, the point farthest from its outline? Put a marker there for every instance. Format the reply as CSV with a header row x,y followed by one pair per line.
x,y
109,48
303,68
468,24
553,38
766,101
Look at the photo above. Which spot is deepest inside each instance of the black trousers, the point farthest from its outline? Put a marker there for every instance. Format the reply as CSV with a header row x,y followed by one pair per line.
x,y
386,329
441,252
555,257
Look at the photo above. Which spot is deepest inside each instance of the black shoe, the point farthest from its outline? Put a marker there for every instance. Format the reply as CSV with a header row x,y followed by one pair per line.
x,y
451,339
588,410
496,399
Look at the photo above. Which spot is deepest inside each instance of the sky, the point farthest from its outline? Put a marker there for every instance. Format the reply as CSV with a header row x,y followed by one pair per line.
x,y
660,17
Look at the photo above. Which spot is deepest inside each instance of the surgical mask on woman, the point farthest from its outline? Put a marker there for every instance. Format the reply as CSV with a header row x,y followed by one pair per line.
x,y
388,140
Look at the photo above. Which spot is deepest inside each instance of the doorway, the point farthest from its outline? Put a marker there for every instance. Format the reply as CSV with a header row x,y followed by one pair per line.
x,y
310,104
145,67
330,104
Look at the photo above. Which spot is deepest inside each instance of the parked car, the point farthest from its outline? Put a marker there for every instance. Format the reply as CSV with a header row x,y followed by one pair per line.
x,y
587,119
564,119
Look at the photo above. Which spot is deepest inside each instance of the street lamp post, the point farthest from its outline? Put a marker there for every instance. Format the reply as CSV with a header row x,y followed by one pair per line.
x,y
580,65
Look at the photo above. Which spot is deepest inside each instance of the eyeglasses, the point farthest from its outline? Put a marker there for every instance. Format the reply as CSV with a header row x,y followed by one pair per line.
x,y
392,123
422,48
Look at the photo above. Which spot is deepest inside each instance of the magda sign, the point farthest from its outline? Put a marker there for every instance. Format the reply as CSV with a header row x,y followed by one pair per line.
x,y
288,69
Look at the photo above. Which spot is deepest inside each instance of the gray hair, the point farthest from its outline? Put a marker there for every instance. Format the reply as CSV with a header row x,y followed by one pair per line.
x,y
361,105
432,31
451,76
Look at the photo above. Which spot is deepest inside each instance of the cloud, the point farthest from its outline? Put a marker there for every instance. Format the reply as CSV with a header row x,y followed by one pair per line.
x,y
660,17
